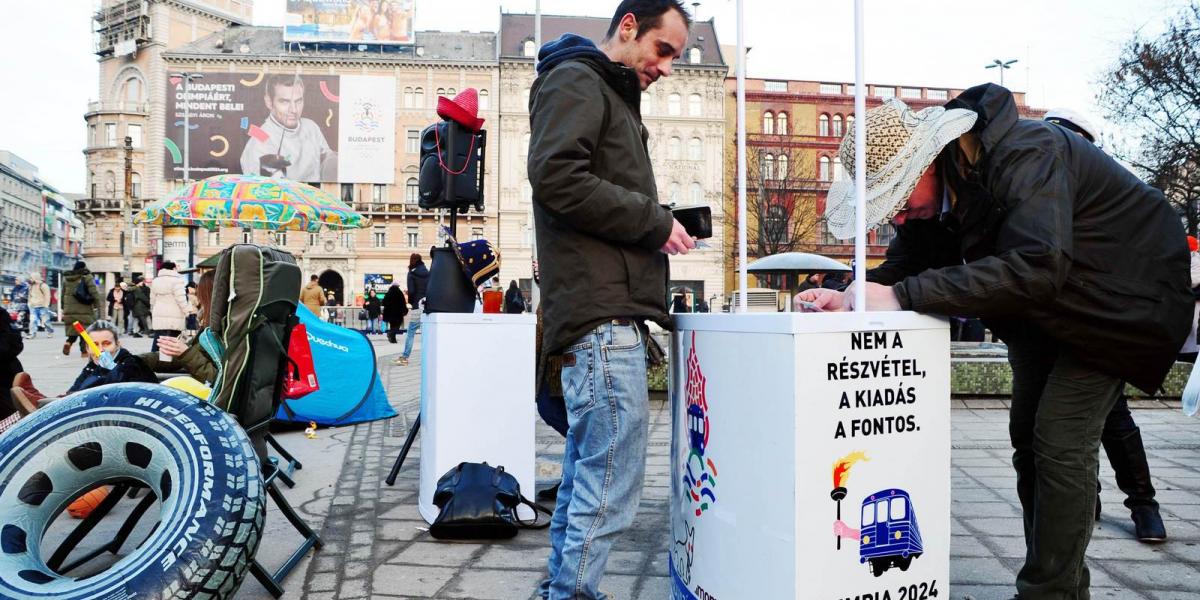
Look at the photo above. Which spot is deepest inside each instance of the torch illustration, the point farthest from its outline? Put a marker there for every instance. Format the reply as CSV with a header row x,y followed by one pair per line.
x,y
841,472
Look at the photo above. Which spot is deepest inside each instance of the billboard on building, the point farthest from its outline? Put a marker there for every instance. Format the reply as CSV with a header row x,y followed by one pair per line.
x,y
308,128
364,21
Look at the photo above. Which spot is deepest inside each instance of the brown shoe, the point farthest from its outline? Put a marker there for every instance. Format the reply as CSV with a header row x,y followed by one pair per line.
x,y
67,348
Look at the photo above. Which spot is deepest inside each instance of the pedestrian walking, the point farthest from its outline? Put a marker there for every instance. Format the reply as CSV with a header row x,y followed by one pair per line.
x,y
140,308
394,310
169,307
39,306
514,300
598,219
115,306
373,308
312,297
81,302
1079,266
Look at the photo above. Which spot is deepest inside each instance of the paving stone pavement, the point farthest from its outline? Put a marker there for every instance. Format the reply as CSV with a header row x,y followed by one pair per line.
x,y
379,547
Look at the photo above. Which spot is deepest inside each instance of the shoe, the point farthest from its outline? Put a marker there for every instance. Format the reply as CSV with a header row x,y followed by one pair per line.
x,y
549,494
400,362
66,349
1148,524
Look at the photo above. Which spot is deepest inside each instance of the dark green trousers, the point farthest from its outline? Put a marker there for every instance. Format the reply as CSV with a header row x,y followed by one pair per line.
x,y
1058,410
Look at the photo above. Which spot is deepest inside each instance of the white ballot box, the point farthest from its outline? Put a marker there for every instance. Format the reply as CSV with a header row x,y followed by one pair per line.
x,y
810,456
477,398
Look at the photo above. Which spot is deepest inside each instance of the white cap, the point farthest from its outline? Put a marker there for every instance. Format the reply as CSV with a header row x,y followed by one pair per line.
x,y
1072,120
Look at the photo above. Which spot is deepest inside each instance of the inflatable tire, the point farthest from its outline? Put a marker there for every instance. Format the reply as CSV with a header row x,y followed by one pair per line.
x,y
192,455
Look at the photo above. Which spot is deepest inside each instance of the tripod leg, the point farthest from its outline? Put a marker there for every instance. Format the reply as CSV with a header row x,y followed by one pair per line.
x,y
412,436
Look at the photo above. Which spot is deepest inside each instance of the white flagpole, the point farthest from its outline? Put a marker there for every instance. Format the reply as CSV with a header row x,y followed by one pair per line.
x,y
860,170
743,276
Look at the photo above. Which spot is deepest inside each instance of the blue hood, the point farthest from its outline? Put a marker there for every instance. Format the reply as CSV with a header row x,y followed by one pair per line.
x,y
565,48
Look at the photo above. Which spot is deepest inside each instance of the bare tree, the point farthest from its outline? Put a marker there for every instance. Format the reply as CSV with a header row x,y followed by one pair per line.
x,y
781,193
1153,93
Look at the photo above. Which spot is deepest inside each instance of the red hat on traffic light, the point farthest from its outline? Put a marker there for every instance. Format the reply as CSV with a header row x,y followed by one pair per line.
x,y
463,109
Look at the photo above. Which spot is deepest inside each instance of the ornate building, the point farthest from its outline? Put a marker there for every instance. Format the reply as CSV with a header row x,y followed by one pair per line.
x,y
217,43
684,113
793,131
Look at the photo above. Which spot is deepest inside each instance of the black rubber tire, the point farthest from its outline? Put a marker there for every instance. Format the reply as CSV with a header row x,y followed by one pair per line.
x,y
193,456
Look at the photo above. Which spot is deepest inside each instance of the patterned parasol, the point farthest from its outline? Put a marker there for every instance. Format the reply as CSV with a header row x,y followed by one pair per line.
x,y
251,201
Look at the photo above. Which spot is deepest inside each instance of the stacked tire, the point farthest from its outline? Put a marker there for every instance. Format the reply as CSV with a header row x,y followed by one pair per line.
x,y
191,455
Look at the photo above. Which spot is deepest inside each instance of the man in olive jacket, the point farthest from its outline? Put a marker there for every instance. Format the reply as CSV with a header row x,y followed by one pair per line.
x,y
74,306
602,239
1080,267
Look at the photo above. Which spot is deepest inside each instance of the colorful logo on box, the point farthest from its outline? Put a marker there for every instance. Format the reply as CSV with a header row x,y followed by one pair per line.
x,y
700,473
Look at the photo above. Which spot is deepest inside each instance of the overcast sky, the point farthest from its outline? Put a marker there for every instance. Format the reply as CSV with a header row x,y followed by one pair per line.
x,y
1063,46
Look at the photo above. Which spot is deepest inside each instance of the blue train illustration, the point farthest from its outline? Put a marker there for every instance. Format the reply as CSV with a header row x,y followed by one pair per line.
x,y
889,536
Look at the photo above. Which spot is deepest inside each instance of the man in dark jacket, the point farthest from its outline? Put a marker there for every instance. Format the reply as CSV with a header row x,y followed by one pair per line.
x,y
80,301
418,280
141,307
602,238
1076,264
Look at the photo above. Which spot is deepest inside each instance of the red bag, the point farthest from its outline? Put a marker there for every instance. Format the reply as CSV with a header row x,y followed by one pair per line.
x,y
301,378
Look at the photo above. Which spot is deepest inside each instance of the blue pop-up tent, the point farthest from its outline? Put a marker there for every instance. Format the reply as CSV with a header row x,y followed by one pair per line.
x,y
351,391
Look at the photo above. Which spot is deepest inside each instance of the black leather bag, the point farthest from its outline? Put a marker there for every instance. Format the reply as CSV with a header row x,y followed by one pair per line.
x,y
450,290
478,501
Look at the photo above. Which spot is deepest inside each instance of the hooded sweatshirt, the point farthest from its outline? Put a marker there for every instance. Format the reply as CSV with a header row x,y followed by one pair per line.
x,y
39,292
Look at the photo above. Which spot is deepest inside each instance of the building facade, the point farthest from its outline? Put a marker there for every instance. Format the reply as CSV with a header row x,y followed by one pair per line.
x,y
685,116
21,220
219,45
793,131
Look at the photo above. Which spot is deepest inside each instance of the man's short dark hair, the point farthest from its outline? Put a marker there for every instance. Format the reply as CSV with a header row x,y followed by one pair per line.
x,y
312,277
284,80
648,14
167,264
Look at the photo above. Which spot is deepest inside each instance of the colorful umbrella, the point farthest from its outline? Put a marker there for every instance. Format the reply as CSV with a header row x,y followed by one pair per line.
x,y
251,201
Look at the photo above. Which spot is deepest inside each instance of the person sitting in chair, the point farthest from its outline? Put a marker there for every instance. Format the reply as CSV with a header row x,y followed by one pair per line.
x,y
114,365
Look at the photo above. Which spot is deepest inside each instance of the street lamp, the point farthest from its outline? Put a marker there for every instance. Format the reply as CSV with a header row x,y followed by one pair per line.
x,y
1005,65
187,114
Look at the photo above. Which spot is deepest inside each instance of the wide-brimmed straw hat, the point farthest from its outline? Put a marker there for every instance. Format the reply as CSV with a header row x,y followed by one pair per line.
x,y
901,144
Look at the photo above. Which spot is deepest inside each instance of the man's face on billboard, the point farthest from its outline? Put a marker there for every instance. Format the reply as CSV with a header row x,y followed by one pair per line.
x,y
287,104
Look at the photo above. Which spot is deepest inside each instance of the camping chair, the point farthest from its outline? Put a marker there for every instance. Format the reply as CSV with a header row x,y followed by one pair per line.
x,y
253,313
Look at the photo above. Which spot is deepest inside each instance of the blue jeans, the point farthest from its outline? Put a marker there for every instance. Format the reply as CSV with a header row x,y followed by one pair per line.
x,y
414,325
604,385
41,318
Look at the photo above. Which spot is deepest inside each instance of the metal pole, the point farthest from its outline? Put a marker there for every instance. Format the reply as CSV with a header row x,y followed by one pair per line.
x,y
743,276
860,170
535,290
127,214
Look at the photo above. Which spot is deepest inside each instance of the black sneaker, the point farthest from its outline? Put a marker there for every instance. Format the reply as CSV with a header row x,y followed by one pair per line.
x,y
1148,524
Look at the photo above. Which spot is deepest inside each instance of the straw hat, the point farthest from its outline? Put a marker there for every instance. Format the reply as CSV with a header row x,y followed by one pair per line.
x,y
901,144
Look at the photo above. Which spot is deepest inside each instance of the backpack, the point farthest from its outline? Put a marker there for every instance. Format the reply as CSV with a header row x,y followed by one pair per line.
x,y
81,292
252,314
438,165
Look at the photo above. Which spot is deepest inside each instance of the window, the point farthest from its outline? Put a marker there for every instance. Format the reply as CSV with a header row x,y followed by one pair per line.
x,y
781,124
279,238
768,124
93,185
775,86
247,236
136,183
413,236
850,123
675,192
884,234
92,134
409,100
837,125
314,239
831,88
695,149
214,238
347,240
348,193
137,236
695,105
823,125
412,142
910,92
781,167
823,169
110,184
419,97
694,55
647,104
838,174
378,194
485,100
135,135
674,148
881,510
674,105
937,94
411,192
110,134
476,233
696,195
768,167
775,224
528,49
885,92
379,237
133,90
450,93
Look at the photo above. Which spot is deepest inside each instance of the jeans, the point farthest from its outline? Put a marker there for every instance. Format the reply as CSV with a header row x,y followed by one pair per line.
x,y
414,325
552,409
604,385
40,318
1059,406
